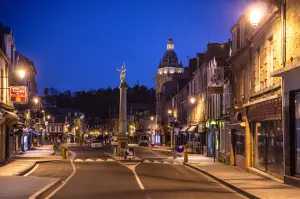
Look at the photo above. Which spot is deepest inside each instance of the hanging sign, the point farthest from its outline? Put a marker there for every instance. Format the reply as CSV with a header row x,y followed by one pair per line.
x,y
18,94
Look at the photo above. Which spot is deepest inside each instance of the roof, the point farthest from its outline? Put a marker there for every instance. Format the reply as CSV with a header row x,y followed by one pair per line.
x,y
170,58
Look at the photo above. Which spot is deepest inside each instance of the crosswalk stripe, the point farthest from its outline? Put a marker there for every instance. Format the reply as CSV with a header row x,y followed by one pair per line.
x,y
155,161
99,160
78,160
89,160
110,160
165,162
146,161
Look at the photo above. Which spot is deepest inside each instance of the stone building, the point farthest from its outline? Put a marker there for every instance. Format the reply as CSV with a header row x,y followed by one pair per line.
x,y
290,30
170,70
256,119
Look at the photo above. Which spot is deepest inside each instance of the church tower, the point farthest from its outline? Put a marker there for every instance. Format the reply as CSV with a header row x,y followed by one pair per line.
x,y
167,67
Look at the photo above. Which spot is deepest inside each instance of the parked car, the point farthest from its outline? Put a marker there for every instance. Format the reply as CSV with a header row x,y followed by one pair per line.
x,y
96,144
143,143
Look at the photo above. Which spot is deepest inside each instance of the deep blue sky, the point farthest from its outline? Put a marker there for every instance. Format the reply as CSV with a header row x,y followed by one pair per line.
x,y
79,44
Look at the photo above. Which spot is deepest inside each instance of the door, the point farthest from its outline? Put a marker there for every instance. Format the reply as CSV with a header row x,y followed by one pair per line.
x,y
261,147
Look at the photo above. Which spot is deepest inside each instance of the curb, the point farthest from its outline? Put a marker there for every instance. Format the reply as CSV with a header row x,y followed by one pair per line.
x,y
238,190
46,190
26,170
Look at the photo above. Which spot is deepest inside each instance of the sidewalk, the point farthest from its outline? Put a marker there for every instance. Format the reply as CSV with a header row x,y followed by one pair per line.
x,y
248,184
22,163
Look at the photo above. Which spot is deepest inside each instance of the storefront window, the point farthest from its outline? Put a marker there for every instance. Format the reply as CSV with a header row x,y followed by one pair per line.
x,y
269,141
223,139
240,142
297,132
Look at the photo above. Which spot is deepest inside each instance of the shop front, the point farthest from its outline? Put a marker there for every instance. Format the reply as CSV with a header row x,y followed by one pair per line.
x,y
193,139
225,142
202,132
182,137
238,138
212,139
266,130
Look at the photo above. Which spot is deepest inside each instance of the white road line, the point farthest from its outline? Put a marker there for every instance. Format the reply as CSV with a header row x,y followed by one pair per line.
x,y
155,161
132,168
66,181
146,161
32,170
165,162
78,160
154,152
110,160
99,160
89,160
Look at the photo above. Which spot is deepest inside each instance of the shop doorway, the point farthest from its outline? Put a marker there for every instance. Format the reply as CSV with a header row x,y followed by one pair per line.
x,y
269,147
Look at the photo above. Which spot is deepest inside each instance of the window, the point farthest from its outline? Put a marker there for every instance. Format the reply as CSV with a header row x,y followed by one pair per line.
x,y
2,84
259,73
242,84
271,62
52,129
240,142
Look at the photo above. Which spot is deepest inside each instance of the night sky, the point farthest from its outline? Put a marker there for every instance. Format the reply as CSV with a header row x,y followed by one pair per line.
x,y
78,45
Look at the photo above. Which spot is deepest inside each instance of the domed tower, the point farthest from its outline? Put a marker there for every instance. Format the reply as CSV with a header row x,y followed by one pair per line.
x,y
168,66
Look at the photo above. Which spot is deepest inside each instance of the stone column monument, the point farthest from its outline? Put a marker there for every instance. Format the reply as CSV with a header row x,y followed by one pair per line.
x,y
122,136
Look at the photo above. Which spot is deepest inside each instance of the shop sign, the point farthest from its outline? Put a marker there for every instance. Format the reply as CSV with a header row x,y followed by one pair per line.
x,y
18,94
215,90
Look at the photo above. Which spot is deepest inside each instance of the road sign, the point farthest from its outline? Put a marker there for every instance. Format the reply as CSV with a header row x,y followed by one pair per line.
x,y
180,149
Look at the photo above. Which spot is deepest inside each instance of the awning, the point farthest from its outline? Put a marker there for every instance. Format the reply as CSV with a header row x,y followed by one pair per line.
x,y
192,129
236,125
10,117
184,128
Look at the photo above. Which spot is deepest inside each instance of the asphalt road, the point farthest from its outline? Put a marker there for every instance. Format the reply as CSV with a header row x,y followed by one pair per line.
x,y
160,181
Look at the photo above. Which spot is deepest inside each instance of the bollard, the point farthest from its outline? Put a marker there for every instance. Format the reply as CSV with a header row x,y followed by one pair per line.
x,y
63,152
185,155
67,153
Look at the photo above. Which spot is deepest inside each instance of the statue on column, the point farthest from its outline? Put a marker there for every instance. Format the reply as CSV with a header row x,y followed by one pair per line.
x,y
122,74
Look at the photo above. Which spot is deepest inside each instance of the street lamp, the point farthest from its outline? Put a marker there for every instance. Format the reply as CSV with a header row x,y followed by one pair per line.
x,y
21,74
192,100
255,17
36,100
152,118
48,117
169,111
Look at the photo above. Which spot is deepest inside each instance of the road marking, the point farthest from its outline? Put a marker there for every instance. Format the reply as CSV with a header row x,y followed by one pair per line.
x,y
78,160
32,170
155,161
154,152
110,160
89,160
165,162
132,168
99,160
67,180
146,161
176,163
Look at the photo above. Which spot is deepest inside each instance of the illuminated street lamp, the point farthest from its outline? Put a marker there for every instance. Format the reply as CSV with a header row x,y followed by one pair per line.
x,y
255,17
36,100
21,74
48,117
152,118
192,100
169,111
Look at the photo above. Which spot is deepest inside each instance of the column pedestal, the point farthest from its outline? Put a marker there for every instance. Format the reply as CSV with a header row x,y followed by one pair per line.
x,y
122,137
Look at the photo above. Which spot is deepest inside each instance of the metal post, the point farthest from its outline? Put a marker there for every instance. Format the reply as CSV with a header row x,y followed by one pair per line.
x,y
214,142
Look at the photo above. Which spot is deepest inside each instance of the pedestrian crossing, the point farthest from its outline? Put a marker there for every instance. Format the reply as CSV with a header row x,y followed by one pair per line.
x,y
95,160
147,161
161,162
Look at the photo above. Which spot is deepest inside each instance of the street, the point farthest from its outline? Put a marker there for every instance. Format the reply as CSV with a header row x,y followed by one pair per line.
x,y
160,177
